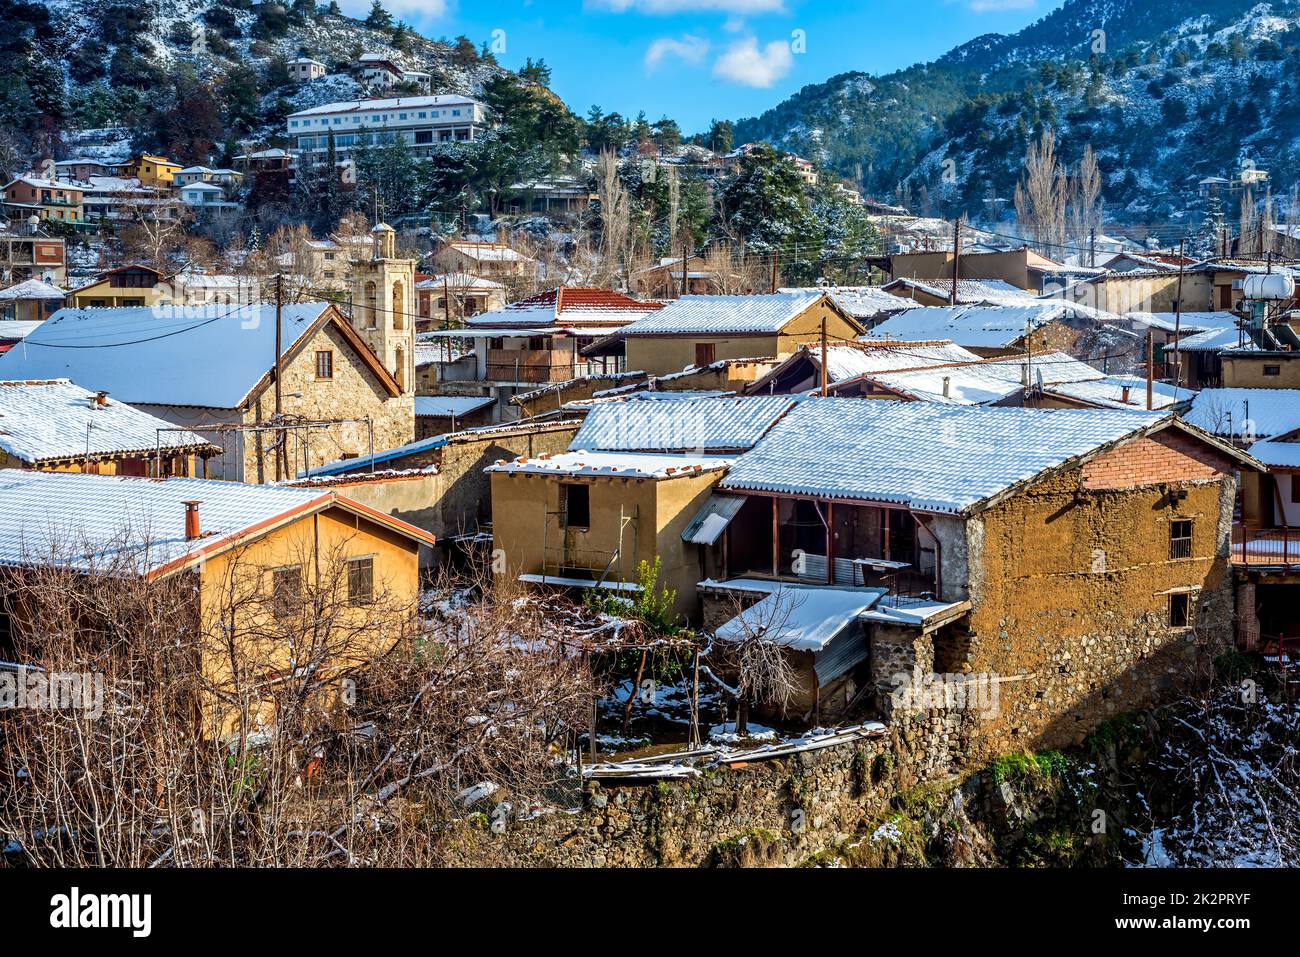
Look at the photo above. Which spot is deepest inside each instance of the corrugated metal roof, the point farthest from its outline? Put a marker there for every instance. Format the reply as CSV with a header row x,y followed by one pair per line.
x,y
210,356
720,315
1256,413
922,455
999,326
987,381
802,617
447,405
723,424
707,527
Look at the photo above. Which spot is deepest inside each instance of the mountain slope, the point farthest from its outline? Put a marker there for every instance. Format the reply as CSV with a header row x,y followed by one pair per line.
x,y
1178,90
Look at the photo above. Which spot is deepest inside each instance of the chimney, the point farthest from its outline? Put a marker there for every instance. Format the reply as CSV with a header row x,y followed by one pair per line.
x,y
192,528
99,400
947,387
1124,395
1024,375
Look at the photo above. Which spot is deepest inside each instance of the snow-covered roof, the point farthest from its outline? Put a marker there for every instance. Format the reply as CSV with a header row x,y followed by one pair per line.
x,y
985,381
922,455
1214,340
31,289
861,302
969,291
458,281
637,465
1108,392
725,424
1252,413
55,419
91,521
489,252
14,329
448,405
801,617
388,103
984,326
1189,321
722,315
1282,452
210,356
567,306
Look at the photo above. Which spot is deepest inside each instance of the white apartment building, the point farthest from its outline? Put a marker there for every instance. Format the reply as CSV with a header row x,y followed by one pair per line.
x,y
423,121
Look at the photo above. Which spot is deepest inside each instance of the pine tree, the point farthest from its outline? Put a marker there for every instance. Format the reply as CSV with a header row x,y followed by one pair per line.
x,y
379,18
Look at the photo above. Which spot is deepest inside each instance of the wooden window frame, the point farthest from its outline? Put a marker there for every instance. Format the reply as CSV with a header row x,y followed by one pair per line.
x,y
1180,546
281,606
357,562
568,489
328,356
1182,610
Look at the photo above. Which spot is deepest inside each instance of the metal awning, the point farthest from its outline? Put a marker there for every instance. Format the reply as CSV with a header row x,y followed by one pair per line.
x,y
707,527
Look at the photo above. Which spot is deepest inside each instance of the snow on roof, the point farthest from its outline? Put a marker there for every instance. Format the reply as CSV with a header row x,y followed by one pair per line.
x,y
861,302
31,289
56,419
1109,391
850,361
698,424
90,521
389,103
923,455
801,617
458,280
489,252
448,405
638,465
568,305
969,291
985,381
1253,413
13,329
988,327
210,356
720,315
631,393
1282,452
1213,340
1189,322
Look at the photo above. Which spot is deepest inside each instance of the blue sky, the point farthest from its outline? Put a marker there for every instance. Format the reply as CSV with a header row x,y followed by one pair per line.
x,y
699,59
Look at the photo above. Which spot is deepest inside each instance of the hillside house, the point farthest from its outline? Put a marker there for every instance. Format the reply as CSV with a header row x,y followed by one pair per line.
x,y
381,73
131,285
213,372
54,425
869,305
248,555
539,340
421,121
696,331
566,196
304,69
495,261
152,170
46,199
30,301
671,278
1080,558
1022,268
32,254
453,296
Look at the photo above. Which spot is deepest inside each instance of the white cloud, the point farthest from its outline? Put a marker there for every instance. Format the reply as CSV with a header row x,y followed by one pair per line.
x,y
998,6
746,64
742,7
689,49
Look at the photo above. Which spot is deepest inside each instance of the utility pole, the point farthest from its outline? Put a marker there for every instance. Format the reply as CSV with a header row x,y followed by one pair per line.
x,y
1151,369
684,259
1029,354
446,312
1178,317
1092,247
824,356
776,265
956,256
279,396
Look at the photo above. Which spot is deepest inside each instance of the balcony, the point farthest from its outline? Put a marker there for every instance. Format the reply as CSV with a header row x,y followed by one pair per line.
x,y
1265,547
529,365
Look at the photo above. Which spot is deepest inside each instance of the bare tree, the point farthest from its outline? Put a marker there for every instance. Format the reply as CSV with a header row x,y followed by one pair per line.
x,y
754,649
1042,193
1085,200
156,230
615,218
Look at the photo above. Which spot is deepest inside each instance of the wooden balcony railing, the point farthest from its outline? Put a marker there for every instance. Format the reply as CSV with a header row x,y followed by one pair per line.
x,y
529,365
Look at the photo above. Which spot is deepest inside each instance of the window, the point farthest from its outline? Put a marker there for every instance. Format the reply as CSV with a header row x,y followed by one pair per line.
x,y
286,591
705,353
577,506
1180,610
361,580
1180,538
1272,370
325,364
1295,488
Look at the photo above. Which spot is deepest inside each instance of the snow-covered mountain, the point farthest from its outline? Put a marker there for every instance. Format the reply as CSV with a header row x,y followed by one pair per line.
x,y
1168,92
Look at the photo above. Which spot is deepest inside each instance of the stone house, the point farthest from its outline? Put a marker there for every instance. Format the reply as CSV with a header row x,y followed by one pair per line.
x,y
697,331
211,370
1078,560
